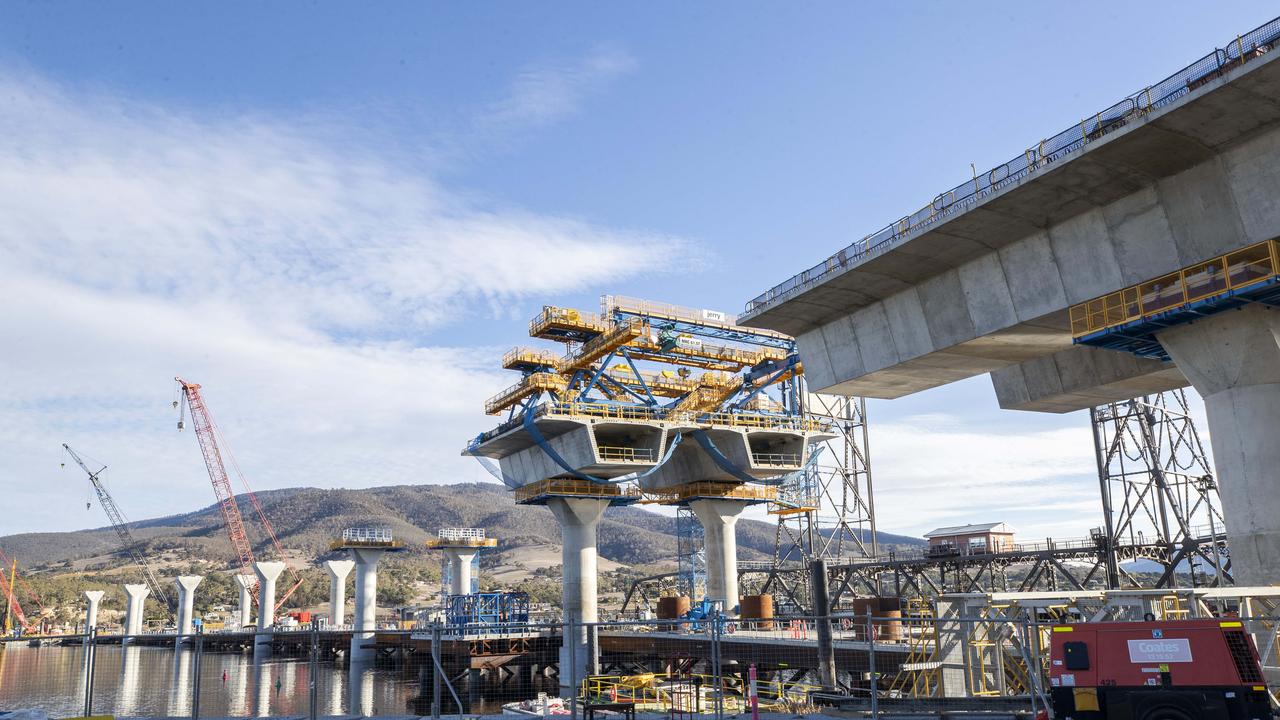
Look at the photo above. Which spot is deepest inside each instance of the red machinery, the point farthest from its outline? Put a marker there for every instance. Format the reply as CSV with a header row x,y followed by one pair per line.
x,y
1172,670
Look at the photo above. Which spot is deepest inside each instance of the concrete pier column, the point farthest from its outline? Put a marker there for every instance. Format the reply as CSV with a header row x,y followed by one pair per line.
x,y
365,621
133,611
1233,360
460,577
267,573
246,583
92,598
338,572
578,518
719,518
186,602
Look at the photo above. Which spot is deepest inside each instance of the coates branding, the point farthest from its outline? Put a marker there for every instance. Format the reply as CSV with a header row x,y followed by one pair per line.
x,y
1160,651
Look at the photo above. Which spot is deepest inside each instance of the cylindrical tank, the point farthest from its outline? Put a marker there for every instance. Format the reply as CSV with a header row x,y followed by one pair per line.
x,y
673,607
758,611
889,629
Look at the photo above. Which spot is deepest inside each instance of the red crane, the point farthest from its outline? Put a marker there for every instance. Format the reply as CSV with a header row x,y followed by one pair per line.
x,y
9,588
207,434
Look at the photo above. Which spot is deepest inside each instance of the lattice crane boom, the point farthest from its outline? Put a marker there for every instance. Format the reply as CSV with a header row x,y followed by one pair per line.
x,y
207,436
121,526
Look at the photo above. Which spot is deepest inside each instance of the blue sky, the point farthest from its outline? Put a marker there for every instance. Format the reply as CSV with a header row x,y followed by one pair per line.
x,y
338,217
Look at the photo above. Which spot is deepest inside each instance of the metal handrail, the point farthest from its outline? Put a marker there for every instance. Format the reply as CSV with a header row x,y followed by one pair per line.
x,y
1231,271
1050,150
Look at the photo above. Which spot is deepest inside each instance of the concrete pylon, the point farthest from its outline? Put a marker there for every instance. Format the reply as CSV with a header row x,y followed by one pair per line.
x,y
719,519
134,610
186,602
364,622
578,518
246,583
1233,360
460,571
338,572
92,599
267,573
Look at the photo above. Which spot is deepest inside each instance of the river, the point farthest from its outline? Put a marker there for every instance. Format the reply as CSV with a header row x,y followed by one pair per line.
x,y
149,681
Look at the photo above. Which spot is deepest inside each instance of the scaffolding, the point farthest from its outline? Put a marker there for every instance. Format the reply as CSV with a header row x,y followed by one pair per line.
x,y
828,510
691,556
1158,490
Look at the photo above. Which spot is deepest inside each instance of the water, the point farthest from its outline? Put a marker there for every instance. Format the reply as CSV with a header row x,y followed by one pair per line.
x,y
149,681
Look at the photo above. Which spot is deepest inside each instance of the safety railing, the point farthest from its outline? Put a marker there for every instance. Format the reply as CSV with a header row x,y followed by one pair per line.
x,y
732,491
573,487
1050,150
526,386
1225,273
775,459
566,318
529,356
625,454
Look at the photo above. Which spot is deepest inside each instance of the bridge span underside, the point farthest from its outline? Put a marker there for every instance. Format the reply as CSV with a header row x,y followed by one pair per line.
x,y
989,287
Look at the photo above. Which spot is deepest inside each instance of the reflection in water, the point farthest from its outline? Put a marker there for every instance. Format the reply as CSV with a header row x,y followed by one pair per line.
x,y
180,688
360,685
130,672
155,681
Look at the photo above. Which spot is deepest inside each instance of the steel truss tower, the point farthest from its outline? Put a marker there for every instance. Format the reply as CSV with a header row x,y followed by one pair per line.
x,y
828,510
691,578
1159,498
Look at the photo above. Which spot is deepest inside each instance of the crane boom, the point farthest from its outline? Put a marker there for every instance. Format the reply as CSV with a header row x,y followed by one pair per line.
x,y
121,526
218,475
206,434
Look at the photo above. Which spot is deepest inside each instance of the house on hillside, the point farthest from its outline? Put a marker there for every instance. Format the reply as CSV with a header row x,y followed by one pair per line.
x,y
970,539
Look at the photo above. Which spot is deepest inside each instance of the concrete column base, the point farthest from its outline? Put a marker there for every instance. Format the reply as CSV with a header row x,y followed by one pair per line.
x,y
719,518
579,518
460,569
133,613
338,572
364,623
92,599
246,583
1233,360
267,573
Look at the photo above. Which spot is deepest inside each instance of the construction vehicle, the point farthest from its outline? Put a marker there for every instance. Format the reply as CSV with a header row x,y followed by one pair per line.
x,y
1203,669
208,436
121,526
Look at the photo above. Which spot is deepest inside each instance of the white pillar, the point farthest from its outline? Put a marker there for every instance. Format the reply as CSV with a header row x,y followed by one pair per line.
x,y
338,572
137,605
93,597
246,583
578,518
719,519
186,602
267,573
1233,360
365,621
460,575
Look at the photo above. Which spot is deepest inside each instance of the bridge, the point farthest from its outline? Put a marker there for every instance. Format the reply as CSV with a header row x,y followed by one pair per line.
x,y
988,276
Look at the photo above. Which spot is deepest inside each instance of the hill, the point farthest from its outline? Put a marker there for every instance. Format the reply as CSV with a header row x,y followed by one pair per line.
x,y
307,519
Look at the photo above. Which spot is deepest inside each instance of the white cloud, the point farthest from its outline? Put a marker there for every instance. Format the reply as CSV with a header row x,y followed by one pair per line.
x,y
285,264
547,92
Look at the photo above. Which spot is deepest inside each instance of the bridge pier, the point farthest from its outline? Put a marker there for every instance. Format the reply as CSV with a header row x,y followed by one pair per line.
x,y
579,518
92,598
246,599
365,623
719,519
338,572
460,576
186,603
267,573
133,612
1233,360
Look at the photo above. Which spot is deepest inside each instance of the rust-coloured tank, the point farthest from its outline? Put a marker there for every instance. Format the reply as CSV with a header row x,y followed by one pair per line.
x,y
757,611
673,607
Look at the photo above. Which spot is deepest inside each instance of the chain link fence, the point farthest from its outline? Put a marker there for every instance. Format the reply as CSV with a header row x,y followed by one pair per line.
x,y
908,665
